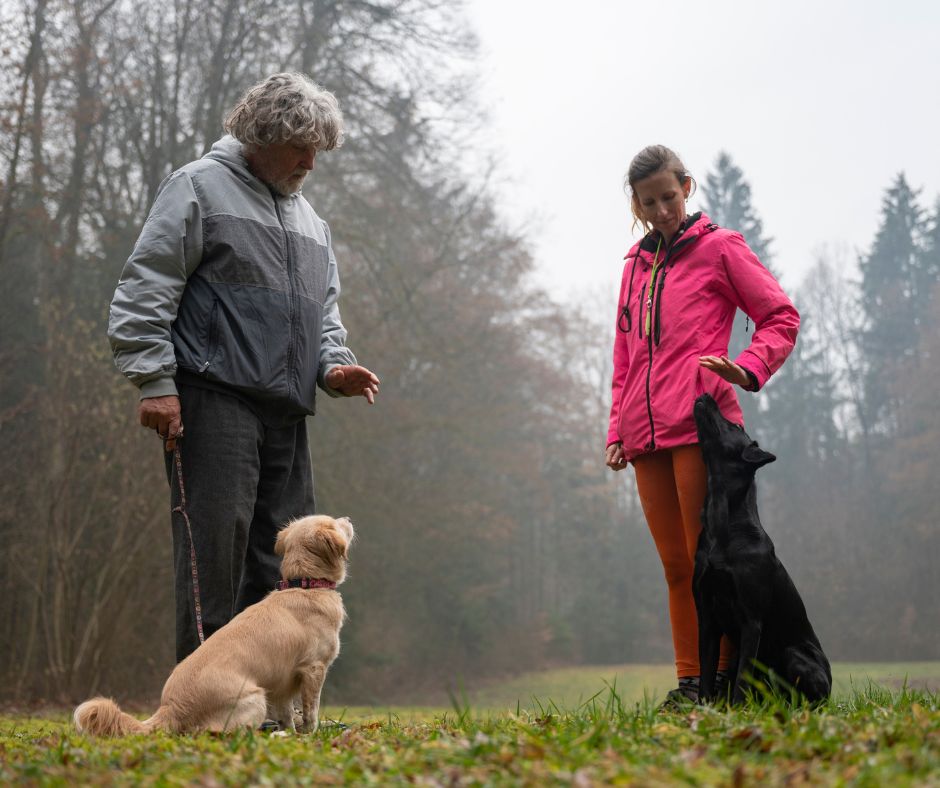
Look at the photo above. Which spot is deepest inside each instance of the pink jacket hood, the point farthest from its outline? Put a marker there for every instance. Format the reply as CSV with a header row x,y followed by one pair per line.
x,y
705,274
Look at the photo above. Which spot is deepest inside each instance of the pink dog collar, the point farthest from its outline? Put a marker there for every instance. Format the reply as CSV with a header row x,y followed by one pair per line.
x,y
305,582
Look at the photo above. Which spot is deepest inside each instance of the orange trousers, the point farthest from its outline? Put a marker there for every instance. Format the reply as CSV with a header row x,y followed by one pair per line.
x,y
671,484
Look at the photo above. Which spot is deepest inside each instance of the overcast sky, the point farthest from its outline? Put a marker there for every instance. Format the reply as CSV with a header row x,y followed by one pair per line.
x,y
820,104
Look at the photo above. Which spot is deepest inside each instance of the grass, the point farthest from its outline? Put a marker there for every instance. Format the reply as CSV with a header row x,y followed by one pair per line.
x,y
569,687
867,736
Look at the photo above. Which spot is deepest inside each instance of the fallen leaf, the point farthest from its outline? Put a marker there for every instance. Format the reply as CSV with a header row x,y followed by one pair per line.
x,y
665,729
582,779
921,715
693,755
532,751
749,737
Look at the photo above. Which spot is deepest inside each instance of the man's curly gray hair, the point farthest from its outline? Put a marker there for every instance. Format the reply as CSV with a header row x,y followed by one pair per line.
x,y
287,107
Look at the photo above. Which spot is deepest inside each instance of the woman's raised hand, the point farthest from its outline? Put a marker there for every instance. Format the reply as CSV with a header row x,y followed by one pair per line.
x,y
727,369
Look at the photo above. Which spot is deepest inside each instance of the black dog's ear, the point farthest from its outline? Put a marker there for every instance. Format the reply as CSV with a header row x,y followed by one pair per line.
x,y
755,455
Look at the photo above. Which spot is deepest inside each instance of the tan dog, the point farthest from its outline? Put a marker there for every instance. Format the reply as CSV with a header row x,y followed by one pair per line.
x,y
263,658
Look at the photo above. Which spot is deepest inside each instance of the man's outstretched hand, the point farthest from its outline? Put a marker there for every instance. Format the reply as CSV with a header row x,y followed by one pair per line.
x,y
353,381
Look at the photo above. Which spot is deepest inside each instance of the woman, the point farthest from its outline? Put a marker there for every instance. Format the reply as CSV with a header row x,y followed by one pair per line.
x,y
682,283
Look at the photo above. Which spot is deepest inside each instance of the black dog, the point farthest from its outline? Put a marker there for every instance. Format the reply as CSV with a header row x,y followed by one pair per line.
x,y
741,589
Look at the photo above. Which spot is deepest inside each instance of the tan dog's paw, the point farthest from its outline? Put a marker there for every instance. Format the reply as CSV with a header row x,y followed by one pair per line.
x,y
308,727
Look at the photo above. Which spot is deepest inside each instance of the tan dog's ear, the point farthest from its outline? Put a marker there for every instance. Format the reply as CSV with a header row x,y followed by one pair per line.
x,y
329,543
347,527
280,542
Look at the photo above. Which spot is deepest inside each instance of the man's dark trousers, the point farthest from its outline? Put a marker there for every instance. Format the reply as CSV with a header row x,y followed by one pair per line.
x,y
243,482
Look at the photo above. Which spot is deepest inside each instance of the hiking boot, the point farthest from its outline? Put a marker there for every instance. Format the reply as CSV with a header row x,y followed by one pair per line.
x,y
682,696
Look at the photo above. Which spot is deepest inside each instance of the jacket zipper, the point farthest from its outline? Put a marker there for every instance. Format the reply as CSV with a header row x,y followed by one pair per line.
x,y
651,446
213,337
291,312
657,294
649,404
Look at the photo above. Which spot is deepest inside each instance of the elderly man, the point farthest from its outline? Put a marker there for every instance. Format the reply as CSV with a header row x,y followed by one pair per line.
x,y
226,319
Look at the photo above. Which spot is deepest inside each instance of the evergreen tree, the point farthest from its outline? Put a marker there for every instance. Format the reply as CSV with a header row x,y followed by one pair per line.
x,y
894,296
799,412
927,273
728,203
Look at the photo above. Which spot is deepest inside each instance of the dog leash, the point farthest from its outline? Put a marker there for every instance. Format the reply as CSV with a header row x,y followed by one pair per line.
x,y
177,458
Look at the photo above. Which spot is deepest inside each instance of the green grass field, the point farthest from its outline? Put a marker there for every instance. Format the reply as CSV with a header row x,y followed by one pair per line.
x,y
586,726
568,687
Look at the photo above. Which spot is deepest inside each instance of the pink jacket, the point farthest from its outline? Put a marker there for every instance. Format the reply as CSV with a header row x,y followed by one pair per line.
x,y
706,273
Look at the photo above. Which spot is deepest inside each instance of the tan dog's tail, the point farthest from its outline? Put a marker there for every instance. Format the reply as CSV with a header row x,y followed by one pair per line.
x,y
103,717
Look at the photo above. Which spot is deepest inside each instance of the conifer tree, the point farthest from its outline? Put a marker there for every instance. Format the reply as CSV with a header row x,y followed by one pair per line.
x,y
728,203
799,411
894,296
927,274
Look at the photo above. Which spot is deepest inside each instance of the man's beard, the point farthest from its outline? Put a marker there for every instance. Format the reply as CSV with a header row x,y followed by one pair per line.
x,y
285,186
289,185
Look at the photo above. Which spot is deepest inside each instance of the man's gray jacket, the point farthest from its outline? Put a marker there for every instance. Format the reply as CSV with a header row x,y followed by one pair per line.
x,y
232,287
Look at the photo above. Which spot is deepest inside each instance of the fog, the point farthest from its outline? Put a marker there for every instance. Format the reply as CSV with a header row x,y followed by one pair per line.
x,y
491,539
820,104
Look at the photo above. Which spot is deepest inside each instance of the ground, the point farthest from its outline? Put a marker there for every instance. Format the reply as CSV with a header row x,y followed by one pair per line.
x,y
514,733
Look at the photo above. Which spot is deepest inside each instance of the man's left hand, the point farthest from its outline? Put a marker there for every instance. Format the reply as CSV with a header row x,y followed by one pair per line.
x,y
727,369
353,381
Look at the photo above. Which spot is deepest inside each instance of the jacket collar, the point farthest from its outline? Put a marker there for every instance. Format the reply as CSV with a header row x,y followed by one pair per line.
x,y
688,228
230,152
694,226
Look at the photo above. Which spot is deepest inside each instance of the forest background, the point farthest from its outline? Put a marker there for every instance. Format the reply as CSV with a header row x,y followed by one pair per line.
x,y
492,538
